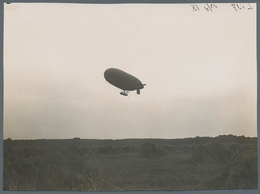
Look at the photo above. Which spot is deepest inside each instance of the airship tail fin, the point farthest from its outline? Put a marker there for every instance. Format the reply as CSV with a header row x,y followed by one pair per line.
x,y
138,91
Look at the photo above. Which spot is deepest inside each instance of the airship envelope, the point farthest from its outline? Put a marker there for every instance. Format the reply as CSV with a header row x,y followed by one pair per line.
x,y
123,80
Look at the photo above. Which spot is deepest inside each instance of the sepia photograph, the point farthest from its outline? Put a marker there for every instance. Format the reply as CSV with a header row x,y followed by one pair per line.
x,y
130,97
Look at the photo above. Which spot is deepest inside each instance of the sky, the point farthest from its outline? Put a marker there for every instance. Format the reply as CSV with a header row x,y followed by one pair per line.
x,y
199,68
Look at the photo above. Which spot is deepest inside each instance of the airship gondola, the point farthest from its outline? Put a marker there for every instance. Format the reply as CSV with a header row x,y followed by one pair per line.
x,y
123,80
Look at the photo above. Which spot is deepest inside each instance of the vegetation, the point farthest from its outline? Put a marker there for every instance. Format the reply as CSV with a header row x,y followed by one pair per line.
x,y
223,162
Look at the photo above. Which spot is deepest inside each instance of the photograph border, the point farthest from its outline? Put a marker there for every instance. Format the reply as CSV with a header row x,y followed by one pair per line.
x,y
251,191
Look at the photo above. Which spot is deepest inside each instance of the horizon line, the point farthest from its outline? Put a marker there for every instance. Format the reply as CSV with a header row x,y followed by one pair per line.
x,y
154,138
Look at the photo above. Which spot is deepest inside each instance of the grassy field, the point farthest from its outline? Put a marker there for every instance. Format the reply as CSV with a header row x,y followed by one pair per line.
x,y
88,165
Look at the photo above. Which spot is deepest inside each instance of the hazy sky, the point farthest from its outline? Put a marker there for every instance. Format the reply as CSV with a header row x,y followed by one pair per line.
x,y
199,67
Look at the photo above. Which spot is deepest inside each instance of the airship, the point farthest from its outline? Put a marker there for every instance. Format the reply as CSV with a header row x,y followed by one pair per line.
x,y
123,80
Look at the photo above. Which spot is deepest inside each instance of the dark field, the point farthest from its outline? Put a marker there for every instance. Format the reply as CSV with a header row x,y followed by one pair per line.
x,y
201,163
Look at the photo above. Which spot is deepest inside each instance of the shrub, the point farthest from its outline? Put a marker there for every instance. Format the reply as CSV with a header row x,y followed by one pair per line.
x,y
151,150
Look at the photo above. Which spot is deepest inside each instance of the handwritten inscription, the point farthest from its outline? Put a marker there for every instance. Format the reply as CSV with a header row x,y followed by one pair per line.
x,y
195,8
207,7
240,6
210,7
